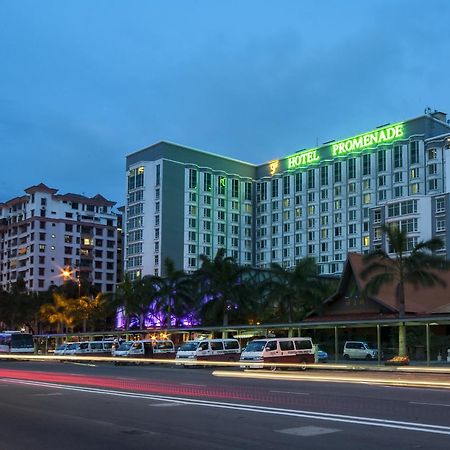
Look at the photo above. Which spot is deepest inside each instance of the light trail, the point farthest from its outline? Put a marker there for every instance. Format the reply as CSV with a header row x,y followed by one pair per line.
x,y
379,380
300,367
353,420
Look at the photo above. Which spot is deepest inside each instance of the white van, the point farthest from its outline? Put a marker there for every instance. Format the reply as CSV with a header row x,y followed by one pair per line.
x,y
295,350
67,349
93,348
157,349
209,350
359,350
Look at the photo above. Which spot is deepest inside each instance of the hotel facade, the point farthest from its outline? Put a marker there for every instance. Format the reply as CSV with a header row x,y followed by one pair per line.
x,y
44,234
322,202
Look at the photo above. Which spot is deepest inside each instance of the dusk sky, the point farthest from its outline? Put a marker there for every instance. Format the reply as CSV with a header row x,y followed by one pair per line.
x,y
84,83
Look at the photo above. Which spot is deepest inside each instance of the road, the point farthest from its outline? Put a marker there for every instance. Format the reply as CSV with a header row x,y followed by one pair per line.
x,y
65,406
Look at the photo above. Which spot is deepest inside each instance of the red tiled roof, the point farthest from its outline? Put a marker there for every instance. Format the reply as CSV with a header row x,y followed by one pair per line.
x,y
418,300
41,187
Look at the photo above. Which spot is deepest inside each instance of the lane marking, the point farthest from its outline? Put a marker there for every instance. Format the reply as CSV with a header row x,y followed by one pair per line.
x,y
308,431
354,420
47,395
165,405
291,392
430,404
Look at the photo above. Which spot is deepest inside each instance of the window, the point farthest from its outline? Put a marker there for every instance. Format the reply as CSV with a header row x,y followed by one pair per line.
x,y
207,182
337,172
324,175
286,185
398,191
415,173
248,191
440,204
274,187
381,160
415,188
351,168
398,157
158,175
432,153
221,185
398,177
382,180
192,179
311,179
366,164
414,152
298,182
432,184
432,169
235,188
440,225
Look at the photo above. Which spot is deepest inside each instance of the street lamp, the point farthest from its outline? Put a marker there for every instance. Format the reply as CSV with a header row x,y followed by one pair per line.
x,y
67,273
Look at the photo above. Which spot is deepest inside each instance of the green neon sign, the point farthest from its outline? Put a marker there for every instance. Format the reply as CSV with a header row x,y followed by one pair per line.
x,y
362,141
385,135
303,159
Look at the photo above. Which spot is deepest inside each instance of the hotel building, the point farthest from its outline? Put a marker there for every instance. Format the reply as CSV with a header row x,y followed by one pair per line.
x,y
43,233
321,202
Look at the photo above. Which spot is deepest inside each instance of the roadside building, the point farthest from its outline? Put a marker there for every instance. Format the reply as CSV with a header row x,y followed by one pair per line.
x,y
322,202
44,234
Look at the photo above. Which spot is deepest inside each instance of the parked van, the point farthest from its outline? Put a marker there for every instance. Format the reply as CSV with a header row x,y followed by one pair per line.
x,y
209,350
61,349
158,349
295,350
94,348
67,349
359,350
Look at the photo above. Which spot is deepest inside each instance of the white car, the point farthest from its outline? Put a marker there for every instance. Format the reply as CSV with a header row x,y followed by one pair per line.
x,y
359,350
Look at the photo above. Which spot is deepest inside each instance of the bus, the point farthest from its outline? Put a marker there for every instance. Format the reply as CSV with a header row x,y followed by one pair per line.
x,y
16,342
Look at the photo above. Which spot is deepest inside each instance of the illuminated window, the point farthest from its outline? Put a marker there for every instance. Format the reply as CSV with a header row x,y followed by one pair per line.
x,y
366,241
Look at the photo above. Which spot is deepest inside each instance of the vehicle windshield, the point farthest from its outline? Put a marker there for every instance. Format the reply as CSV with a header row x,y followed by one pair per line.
x,y
189,347
255,346
62,347
124,347
371,347
72,346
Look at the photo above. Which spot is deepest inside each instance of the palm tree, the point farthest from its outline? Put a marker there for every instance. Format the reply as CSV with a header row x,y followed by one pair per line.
x,y
416,266
221,285
289,292
174,294
123,299
62,312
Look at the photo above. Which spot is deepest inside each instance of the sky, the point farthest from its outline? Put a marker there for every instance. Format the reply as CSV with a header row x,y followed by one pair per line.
x,y
83,83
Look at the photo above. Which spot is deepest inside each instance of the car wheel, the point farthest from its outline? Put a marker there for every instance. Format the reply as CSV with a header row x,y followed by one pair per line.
x,y
369,358
346,357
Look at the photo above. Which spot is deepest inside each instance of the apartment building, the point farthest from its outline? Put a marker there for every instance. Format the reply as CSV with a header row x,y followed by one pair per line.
x,y
44,233
321,202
